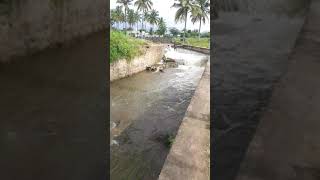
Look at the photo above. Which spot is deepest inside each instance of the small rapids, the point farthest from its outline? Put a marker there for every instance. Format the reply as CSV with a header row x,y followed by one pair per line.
x,y
146,109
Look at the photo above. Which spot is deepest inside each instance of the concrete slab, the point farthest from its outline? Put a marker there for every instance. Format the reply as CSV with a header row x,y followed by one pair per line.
x,y
287,142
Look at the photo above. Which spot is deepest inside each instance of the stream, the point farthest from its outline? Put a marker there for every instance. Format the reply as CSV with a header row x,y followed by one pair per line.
x,y
146,111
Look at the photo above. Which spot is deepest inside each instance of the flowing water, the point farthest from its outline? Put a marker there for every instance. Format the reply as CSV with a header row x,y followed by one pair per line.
x,y
146,111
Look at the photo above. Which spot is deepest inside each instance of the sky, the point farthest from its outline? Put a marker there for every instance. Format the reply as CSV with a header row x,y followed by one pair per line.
x,y
168,13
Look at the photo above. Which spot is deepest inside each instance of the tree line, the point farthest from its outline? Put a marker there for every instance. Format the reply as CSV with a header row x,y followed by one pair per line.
x,y
197,10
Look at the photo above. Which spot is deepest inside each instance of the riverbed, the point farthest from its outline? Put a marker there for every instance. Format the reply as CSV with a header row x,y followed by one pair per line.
x,y
146,112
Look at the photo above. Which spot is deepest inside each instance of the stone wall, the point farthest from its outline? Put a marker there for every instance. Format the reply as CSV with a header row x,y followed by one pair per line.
x,y
124,68
27,26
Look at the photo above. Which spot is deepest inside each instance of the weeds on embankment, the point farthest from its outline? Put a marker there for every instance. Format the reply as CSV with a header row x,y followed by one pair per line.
x,y
123,46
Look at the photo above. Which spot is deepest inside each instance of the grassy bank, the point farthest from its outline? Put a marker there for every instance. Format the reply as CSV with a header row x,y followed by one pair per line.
x,y
123,46
202,42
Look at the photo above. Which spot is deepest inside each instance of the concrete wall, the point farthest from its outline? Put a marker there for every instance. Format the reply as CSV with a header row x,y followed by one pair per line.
x,y
286,145
197,49
124,68
288,7
189,156
27,26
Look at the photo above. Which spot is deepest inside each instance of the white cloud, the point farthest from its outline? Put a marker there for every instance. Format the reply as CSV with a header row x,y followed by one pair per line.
x,y
168,13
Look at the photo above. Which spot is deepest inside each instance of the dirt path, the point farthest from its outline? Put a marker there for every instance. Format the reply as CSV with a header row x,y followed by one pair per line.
x,y
52,108
287,143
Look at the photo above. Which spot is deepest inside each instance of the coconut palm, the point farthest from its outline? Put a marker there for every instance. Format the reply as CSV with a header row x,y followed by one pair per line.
x,y
117,15
153,18
184,7
137,18
125,4
143,6
113,17
200,12
131,17
162,28
146,17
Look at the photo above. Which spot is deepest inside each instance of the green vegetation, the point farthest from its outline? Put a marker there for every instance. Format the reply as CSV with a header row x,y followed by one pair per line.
x,y
200,13
153,18
162,27
202,42
123,46
169,140
199,10
125,4
143,6
184,7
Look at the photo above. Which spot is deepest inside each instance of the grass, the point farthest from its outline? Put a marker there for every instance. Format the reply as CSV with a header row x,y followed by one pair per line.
x,y
123,46
169,140
195,41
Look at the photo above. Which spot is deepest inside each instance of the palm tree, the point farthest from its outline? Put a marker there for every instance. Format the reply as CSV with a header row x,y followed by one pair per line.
x,y
117,15
153,18
113,17
137,18
131,17
125,4
143,6
146,17
200,12
184,7
162,28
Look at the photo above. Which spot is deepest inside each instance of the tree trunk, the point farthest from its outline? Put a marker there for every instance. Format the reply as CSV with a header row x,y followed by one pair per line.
x,y
125,19
185,28
199,29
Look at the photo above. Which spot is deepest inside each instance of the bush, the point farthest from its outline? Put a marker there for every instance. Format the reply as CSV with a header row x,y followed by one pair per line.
x,y
123,46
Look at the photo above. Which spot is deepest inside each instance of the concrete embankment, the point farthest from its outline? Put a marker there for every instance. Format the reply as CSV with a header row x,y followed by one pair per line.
x,y
197,49
53,105
123,68
31,25
189,156
286,145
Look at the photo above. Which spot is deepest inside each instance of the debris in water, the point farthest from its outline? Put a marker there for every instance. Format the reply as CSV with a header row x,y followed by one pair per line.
x,y
114,142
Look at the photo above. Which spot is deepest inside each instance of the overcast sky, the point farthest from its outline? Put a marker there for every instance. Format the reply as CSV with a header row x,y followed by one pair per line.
x,y
168,13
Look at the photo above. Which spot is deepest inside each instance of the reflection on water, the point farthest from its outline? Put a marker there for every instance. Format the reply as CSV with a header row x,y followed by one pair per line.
x,y
145,109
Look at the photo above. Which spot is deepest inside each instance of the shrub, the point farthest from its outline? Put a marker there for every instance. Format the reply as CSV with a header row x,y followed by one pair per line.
x,y
123,46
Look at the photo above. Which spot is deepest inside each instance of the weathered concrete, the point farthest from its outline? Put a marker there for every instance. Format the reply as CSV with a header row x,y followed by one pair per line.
x,y
27,26
197,49
53,112
287,142
189,156
124,68
288,7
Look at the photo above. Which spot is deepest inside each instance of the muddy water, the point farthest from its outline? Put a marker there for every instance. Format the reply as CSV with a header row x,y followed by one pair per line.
x,y
146,109
250,56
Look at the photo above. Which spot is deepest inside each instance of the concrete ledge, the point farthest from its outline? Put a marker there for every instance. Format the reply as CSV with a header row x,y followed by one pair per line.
x,y
197,49
189,156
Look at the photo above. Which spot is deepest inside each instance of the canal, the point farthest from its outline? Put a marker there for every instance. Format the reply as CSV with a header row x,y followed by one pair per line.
x,y
146,111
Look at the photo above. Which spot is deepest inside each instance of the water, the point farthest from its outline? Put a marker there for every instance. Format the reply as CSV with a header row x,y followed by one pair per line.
x,y
146,109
